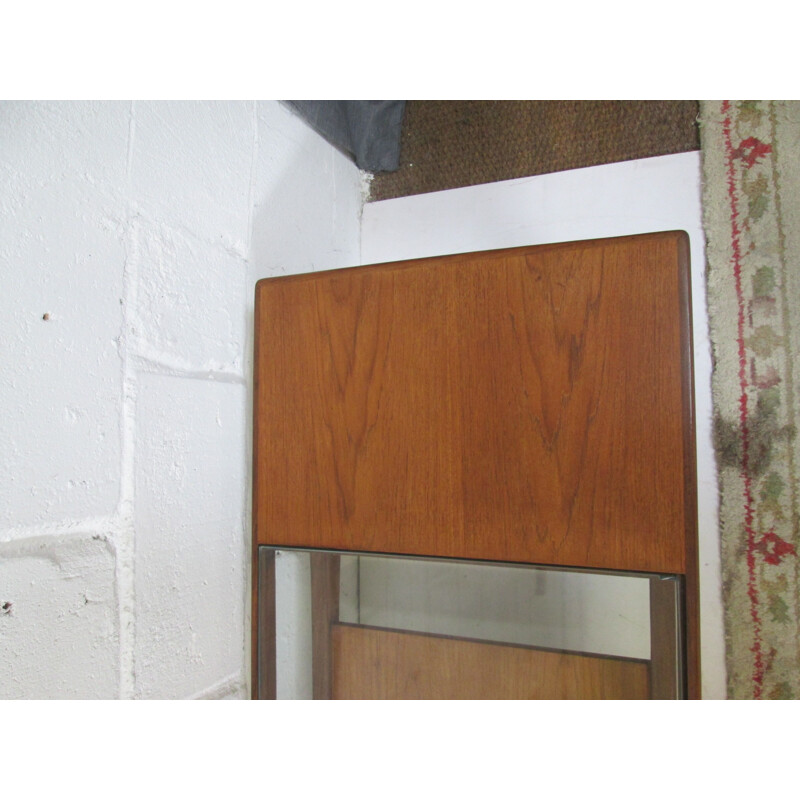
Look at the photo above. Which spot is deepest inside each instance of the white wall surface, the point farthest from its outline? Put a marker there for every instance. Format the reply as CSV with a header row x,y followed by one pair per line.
x,y
138,230
654,194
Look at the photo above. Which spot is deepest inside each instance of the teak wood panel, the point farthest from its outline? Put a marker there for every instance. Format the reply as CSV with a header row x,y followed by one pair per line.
x,y
528,405
379,664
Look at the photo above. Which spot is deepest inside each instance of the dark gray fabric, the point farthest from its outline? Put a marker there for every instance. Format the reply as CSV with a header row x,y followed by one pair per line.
x,y
367,130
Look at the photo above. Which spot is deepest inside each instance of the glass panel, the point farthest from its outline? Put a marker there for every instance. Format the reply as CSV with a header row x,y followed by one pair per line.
x,y
561,610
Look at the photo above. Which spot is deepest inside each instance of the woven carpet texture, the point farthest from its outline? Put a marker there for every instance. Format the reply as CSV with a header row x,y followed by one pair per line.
x,y
447,144
751,210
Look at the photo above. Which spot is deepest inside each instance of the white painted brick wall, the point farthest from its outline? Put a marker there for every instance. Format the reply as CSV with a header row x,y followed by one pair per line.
x,y
139,229
190,544
59,630
190,168
178,276
60,256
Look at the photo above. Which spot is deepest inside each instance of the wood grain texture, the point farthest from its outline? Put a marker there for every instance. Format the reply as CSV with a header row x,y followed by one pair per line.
x,y
520,405
380,664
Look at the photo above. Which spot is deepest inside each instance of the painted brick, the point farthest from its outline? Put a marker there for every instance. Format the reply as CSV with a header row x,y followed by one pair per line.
x,y
191,165
190,301
61,258
43,143
58,622
190,506
149,204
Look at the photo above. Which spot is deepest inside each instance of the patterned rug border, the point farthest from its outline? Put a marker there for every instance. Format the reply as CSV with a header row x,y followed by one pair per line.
x,y
752,250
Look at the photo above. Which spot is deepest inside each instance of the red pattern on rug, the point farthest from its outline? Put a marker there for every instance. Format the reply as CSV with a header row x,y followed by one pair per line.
x,y
745,150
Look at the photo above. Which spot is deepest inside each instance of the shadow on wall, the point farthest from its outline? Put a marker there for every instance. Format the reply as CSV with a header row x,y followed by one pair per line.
x,y
309,219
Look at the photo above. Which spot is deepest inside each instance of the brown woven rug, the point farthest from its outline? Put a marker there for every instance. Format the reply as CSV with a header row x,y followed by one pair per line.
x,y
447,144
751,206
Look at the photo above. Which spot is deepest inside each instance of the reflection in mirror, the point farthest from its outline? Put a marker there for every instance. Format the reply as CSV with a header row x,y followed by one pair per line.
x,y
525,607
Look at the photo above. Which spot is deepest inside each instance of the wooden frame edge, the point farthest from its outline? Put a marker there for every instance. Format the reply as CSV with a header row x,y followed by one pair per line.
x,y
691,611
